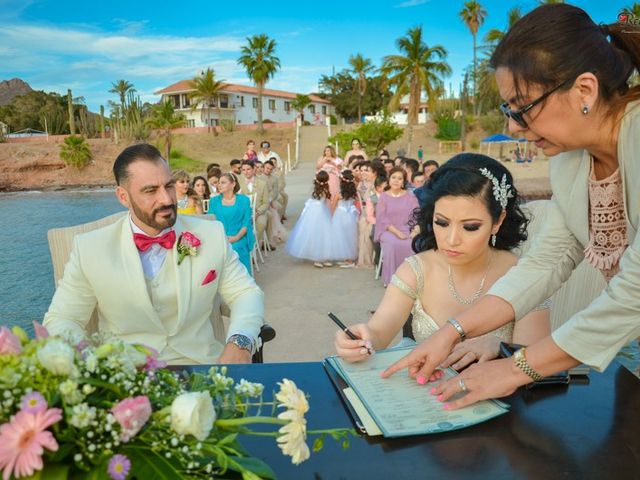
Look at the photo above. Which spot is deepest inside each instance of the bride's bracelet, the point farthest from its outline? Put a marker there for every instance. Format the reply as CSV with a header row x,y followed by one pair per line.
x,y
458,328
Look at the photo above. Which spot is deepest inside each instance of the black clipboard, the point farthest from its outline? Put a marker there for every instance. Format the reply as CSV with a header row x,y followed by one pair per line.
x,y
339,384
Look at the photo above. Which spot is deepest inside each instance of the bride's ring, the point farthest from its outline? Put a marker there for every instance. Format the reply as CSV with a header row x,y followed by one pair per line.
x,y
463,387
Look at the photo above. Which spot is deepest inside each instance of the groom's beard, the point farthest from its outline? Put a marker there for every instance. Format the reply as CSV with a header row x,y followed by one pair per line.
x,y
159,219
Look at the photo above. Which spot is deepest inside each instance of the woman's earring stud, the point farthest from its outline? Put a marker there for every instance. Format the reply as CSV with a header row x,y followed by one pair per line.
x,y
585,110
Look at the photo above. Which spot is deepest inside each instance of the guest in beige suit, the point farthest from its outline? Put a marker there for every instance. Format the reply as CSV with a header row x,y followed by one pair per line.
x,y
253,186
564,82
131,272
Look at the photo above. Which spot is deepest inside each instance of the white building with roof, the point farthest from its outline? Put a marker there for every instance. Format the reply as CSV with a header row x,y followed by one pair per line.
x,y
239,103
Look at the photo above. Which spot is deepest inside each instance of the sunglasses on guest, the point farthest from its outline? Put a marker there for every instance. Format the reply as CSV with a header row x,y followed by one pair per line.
x,y
518,115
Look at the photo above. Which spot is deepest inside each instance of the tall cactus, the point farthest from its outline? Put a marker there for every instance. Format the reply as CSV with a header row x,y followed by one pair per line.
x,y
72,121
101,121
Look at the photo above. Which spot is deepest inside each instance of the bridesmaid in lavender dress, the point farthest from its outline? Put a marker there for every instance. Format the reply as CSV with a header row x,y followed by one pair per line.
x,y
394,210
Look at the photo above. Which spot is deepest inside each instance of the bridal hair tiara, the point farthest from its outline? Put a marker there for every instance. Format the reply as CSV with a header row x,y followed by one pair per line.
x,y
501,189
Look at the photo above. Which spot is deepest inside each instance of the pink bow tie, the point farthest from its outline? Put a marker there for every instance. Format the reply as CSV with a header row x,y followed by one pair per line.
x,y
144,242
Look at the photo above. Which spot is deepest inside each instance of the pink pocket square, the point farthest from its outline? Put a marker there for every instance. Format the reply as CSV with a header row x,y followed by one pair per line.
x,y
211,276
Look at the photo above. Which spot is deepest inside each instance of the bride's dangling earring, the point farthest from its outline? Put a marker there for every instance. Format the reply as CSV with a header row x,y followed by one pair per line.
x,y
493,240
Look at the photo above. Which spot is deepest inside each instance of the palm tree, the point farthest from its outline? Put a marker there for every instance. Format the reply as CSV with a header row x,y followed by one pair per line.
x,y
360,66
473,15
206,91
494,36
259,60
122,88
418,68
164,118
634,9
75,151
300,103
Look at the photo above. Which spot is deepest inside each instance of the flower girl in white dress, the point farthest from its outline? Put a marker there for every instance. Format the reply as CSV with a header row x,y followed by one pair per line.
x,y
344,224
310,238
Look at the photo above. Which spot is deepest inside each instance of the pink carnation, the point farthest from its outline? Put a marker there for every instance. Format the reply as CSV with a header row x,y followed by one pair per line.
x,y
189,239
152,360
23,439
132,413
9,343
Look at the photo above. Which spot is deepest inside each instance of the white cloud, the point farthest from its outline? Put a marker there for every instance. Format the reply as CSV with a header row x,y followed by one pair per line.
x,y
411,3
87,60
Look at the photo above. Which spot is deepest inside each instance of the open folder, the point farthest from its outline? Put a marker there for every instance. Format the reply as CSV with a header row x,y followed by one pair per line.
x,y
399,406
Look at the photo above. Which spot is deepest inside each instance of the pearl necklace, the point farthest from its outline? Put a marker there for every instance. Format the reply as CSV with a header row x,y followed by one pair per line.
x,y
476,294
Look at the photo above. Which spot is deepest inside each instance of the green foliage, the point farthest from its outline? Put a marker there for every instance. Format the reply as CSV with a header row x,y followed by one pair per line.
x,y
418,68
228,125
258,57
163,118
129,118
475,143
207,93
448,128
31,109
300,103
134,126
374,135
333,119
75,151
180,161
492,123
341,90
122,88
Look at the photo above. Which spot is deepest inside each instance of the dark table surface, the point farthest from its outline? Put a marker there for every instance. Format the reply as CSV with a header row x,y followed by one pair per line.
x,y
581,431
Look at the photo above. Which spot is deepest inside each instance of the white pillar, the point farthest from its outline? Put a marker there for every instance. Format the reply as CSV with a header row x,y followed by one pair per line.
x,y
297,157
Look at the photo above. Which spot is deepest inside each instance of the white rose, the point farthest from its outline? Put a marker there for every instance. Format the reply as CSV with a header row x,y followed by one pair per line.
x,y
193,413
57,356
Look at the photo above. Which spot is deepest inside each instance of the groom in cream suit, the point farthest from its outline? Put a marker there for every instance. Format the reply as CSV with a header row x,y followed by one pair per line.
x,y
129,271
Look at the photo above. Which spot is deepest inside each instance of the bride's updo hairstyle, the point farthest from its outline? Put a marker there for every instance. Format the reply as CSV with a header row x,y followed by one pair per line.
x,y
554,44
462,176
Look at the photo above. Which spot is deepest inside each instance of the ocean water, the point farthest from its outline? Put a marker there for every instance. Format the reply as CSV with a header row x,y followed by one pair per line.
x,y
26,273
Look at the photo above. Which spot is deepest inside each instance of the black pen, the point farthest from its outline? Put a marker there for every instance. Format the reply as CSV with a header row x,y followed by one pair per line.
x,y
346,330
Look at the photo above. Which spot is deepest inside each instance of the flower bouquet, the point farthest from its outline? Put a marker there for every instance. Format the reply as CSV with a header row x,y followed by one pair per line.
x,y
104,409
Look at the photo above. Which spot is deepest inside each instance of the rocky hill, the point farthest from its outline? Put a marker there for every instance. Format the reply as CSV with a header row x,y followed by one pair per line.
x,y
12,88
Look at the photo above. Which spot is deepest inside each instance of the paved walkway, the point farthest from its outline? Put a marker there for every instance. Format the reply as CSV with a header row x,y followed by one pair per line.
x,y
299,295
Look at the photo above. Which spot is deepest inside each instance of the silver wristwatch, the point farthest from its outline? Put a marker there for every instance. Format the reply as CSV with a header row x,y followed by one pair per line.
x,y
242,341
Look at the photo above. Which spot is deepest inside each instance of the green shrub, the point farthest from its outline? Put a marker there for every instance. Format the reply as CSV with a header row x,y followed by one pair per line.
x,y
333,119
448,128
267,120
374,135
475,144
75,151
228,125
492,123
179,161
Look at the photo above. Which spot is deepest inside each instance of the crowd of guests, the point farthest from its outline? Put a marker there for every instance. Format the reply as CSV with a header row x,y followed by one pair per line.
x,y
248,198
360,211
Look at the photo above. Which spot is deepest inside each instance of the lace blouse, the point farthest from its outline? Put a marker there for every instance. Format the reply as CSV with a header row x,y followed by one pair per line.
x,y
607,224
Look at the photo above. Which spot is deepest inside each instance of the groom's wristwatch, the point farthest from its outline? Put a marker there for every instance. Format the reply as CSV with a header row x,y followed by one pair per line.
x,y
242,341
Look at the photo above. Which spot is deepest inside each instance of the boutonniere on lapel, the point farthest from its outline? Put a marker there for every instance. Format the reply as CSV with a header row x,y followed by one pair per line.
x,y
187,246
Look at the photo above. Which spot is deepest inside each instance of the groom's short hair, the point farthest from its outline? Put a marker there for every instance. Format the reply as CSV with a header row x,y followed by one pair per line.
x,y
134,153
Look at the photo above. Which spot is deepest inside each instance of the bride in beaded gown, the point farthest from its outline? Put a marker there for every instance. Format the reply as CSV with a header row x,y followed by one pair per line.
x,y
468,225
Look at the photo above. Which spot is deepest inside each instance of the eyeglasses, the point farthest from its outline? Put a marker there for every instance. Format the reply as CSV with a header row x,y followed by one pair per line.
x,y
518,115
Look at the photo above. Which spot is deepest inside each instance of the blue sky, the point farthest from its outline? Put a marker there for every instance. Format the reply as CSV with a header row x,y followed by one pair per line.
x,y
85,46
